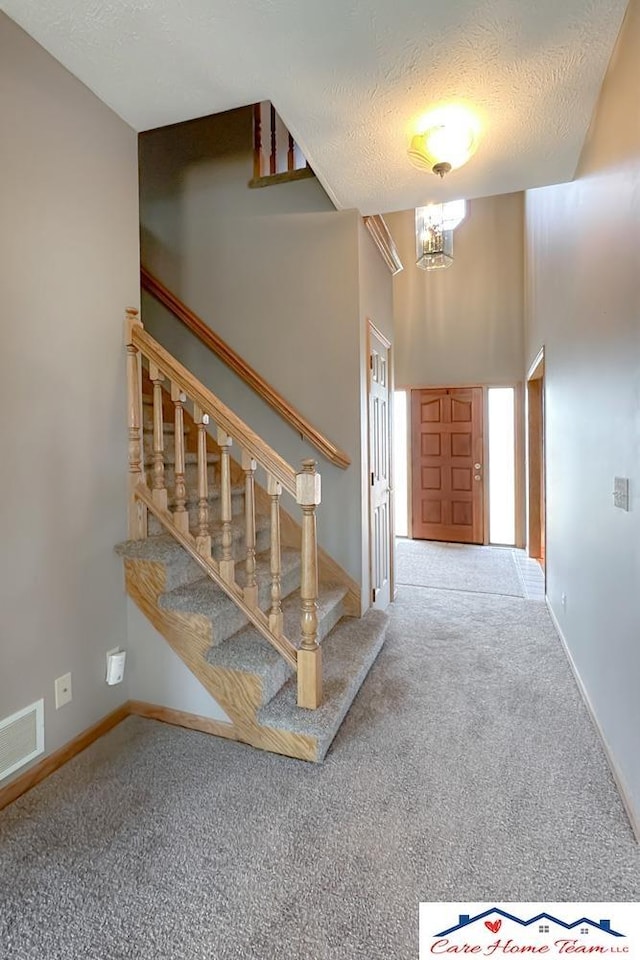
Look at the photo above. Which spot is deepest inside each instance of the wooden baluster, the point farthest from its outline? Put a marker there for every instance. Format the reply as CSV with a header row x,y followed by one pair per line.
x,y
158,488
180,514
251,588
203,537
257,141
291,162
274,146
309,654
227,563
274,490
137,519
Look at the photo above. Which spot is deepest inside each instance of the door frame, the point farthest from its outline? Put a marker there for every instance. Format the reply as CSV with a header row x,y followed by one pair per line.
x,y
519,416
372,328
536,461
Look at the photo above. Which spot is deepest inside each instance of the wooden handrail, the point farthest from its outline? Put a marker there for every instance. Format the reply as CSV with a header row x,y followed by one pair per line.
x,y
225,418
251,377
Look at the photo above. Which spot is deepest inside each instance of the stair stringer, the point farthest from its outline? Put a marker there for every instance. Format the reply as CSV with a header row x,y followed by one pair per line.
x,y
190,637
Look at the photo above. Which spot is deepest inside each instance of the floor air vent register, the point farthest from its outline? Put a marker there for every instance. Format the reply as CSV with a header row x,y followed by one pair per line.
x,y
21,738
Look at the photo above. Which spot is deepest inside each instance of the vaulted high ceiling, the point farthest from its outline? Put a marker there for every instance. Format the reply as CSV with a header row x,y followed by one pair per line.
x,y
351,78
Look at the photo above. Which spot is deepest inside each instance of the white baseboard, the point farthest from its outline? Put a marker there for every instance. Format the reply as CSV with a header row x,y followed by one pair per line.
x,y
632,814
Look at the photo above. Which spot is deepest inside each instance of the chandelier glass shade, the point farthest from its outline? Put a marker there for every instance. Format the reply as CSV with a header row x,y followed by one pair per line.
x,y
435,224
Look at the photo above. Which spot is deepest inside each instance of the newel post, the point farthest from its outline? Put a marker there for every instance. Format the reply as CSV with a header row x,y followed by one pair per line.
x,y
309,654
137,523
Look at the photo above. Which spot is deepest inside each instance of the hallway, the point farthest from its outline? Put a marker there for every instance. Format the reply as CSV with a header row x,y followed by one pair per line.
x,y
467,769
503,571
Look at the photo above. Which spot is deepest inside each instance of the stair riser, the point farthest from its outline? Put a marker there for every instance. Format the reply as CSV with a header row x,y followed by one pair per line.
x,y
190,478
238,549
237,506
232,620
281,670
169,454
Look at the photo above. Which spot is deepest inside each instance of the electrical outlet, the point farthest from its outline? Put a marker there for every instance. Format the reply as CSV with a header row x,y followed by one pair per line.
x,y
109,652
63,690
621,492
563,601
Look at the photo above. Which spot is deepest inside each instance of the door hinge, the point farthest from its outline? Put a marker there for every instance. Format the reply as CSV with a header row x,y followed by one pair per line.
x,y
373,479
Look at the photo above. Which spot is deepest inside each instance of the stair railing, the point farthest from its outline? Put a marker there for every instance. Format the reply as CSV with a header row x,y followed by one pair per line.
x,y
276,156
303,486
196,325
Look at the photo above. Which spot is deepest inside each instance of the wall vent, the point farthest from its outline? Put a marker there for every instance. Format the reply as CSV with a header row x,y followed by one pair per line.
x,y
21,738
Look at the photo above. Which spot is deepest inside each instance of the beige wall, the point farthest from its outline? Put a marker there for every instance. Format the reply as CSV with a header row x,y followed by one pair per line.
x,y
462,325
68,269
583,255
275,273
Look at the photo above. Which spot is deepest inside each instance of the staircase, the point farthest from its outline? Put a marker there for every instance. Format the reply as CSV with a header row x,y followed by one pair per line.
x,y
267,622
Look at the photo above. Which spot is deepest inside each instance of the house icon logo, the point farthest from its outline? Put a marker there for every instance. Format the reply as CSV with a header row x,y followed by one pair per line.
x,y
544,921
529,931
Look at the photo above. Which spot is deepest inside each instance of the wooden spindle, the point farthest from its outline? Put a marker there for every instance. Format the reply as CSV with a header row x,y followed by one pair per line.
x,y
273,156
203,537
309,654
251,588
158,487
180,513
291,160
257,141
274,489
137,514
227,563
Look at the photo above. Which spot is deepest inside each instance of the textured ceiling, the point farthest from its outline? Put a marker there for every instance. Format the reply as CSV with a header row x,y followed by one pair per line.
x,y
351,78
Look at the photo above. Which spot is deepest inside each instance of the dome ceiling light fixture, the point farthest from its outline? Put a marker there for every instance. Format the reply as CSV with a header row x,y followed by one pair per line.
x,y
448,137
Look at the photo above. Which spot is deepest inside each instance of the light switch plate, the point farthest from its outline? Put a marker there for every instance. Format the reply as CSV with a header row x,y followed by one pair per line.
x,y
621,492
63,690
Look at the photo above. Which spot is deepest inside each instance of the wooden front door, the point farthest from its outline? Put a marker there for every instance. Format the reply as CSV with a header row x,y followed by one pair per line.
x,y
447,464
380,468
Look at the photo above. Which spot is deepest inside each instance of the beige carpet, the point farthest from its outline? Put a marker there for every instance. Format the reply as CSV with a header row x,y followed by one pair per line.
x,y
458,566
467,769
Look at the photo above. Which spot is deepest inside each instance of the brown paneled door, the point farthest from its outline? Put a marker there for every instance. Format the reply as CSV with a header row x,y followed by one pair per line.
x,y
447,464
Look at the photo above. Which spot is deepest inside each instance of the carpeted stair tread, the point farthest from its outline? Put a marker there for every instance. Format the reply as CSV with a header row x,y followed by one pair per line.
x,y
190,458
180,568
238,533
237,494
248,652
237,491
347,655
215,506
202,597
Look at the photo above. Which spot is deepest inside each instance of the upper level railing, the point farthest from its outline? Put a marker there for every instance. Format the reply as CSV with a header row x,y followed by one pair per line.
x,y
304,486
245,371
277,158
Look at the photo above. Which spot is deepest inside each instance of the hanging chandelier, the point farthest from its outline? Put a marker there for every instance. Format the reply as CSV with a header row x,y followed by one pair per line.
x,y
435,224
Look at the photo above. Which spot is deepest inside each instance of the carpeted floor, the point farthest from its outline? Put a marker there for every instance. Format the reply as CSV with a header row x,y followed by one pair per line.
x,y
467,769
455,566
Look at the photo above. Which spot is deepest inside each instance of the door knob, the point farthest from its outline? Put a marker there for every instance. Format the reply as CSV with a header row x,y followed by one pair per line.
x,y
477,477
477,466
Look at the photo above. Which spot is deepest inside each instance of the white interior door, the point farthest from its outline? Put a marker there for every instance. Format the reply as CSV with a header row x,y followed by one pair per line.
x,y
379,468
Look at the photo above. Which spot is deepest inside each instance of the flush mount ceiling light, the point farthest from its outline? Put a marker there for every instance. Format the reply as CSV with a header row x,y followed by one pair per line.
x,y
448,138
